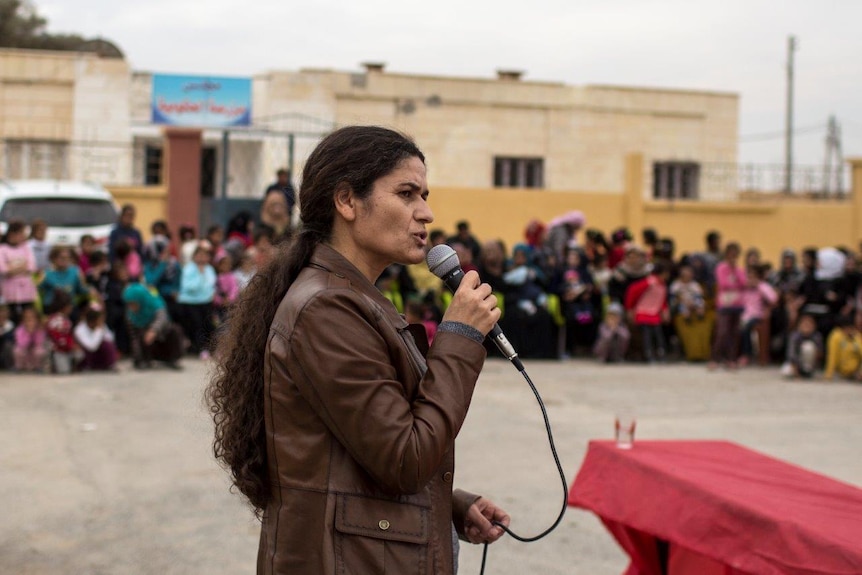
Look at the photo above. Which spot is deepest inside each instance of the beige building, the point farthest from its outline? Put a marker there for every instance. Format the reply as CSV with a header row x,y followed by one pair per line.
x,y
84,117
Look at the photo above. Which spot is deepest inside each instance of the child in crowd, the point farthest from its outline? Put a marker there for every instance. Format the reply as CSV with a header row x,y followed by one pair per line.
x,y
844,350
153,336
162,271
7,338
64,350
125,252
197,290
215,237
99,275
62,276
246,269
115,307
687,295
17,266
86,248
757,298
95,340
39,244
804,349
646,300
601,273
613,340
227,288
417,312
188,244
30,352
263,246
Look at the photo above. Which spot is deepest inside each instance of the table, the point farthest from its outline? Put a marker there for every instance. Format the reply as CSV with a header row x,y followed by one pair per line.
x,y
718,508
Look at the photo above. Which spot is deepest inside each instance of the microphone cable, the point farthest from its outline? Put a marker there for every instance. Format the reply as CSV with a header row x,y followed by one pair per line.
x,y
559,469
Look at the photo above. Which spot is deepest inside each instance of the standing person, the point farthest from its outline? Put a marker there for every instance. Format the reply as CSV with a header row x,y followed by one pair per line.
x,y
153,336
332,422
757,300
282,184
465,237
197,290
274,215
125,230
38,242
646,301
227,288
17,266
730,284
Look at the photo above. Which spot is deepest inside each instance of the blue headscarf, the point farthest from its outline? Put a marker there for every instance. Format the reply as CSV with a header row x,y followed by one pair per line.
x,y
148,305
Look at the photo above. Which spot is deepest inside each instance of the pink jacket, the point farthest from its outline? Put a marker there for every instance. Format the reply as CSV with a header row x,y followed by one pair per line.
x,y
29,339
18,288
755,301
227,289
730,285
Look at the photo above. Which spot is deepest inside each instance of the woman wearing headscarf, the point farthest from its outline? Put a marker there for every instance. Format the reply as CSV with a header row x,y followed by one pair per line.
x,y
153,336
274,215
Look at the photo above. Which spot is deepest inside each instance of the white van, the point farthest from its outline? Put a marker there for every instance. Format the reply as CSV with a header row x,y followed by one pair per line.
x,y
72,209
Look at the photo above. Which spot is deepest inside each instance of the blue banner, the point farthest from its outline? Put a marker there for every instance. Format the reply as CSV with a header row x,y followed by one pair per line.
x,y
201,101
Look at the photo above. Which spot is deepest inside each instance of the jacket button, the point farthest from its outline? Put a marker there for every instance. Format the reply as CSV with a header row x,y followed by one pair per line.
x,y
447,477
383,524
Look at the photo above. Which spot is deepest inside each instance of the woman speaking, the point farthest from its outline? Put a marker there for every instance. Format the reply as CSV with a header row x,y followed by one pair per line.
x,y
331,420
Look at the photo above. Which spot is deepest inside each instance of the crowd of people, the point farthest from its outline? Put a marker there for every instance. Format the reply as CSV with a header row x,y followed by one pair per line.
x,y
65,308
565,291
568,290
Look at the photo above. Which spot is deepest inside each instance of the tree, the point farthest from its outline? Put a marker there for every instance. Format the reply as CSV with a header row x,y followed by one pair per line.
x,y
21,26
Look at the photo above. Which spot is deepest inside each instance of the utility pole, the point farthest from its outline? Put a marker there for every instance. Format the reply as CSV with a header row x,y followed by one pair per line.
x,y
788,142
833,157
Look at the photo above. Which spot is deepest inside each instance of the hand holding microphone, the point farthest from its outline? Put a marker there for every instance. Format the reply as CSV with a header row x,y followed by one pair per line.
x,y
474,304
443,263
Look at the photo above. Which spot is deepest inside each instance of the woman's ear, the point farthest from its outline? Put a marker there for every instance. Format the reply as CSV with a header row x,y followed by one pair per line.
x,y
345,201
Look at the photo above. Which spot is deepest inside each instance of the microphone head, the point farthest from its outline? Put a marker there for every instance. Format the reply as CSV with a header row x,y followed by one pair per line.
x,y
442,260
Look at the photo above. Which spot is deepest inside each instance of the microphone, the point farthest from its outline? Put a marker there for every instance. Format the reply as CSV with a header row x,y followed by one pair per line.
x,y
443,262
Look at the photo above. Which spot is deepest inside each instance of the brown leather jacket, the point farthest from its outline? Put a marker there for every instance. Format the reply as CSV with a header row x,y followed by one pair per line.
x,y
360,432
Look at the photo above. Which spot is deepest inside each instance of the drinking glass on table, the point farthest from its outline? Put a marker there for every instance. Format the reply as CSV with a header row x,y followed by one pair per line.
x,y
624,429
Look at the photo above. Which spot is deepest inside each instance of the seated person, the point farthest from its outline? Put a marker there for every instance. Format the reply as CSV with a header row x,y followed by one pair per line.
x,y
804,349
844,350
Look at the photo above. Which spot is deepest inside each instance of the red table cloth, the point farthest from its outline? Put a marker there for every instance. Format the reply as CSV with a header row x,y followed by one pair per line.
x,y
705,507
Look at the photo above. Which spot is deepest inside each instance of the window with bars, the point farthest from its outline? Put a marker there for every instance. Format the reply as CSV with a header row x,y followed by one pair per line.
x,y
675,180
519,172
35,159
152,165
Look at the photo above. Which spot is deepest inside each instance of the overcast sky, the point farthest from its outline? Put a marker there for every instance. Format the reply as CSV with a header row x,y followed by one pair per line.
x,y
726,45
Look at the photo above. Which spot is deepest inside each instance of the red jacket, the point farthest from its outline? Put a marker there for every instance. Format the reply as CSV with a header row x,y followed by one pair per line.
x,y
59,328
648,299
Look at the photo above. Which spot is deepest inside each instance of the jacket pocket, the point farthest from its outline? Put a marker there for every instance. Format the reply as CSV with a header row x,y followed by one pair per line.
x,y
379,536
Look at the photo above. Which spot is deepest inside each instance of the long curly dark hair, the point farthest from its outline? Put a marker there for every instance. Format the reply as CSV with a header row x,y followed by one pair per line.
x,y
355,156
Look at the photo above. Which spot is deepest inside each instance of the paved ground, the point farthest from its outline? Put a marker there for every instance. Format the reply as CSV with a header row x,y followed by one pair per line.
x,y
112,474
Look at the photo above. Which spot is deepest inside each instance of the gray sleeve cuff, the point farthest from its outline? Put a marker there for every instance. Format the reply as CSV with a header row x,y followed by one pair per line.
x,y
462,329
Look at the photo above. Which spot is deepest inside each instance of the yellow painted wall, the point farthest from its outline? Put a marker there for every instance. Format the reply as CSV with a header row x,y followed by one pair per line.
x,y
504,213
770,226
151,203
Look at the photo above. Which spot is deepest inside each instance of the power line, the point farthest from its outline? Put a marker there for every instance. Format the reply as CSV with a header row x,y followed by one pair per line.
x,y
776,135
